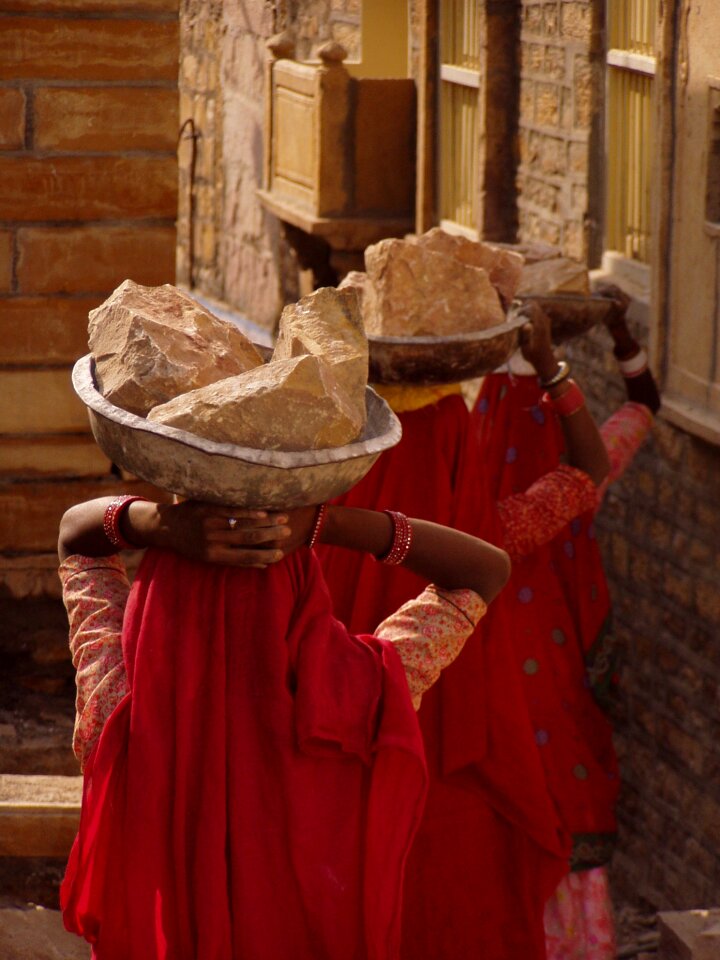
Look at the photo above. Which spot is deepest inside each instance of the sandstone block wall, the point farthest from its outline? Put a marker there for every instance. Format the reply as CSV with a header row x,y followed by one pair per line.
x,y
560,109
318,21
660,529
229,247
88,129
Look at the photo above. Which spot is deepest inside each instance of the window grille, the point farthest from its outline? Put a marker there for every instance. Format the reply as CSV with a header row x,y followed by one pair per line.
x,y
631,69
459,112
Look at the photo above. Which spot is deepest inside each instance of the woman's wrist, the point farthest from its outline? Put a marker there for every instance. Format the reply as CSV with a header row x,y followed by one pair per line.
x,y
547,366
141,524
357,529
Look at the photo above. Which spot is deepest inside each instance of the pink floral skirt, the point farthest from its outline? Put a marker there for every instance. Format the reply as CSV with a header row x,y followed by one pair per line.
x,y
578,918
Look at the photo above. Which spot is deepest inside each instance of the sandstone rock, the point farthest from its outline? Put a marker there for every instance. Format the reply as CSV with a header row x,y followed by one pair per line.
x,y
503,266
558,275
294,404
356,280
327,324
533,250
414,291
152,343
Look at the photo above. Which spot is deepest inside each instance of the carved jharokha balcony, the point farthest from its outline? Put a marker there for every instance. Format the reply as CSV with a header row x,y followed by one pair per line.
x,y
339,150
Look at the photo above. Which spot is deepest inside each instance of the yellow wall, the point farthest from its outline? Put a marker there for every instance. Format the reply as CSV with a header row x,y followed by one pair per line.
x,y
384,40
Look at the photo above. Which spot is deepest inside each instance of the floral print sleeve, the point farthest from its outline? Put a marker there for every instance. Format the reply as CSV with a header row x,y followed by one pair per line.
x,y
533,518
429,632
95,591
623,434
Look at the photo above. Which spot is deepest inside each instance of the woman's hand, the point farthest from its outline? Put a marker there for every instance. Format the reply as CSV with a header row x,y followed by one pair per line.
x,y
213,534
536,341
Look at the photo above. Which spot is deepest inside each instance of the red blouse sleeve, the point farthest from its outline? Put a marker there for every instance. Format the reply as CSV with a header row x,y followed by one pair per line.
x,y
533,518
623,434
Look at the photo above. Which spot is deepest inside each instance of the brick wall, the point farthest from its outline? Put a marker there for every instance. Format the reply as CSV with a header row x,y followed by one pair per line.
x,y
660,530
560,81
200,149
88,125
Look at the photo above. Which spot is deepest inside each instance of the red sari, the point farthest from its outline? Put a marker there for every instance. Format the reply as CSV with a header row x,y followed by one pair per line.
x,y
254,796
560,607
490,849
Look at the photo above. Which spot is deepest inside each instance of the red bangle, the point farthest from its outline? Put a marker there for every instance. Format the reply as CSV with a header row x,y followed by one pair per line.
x,y
569,402
402,539
319,524
111,521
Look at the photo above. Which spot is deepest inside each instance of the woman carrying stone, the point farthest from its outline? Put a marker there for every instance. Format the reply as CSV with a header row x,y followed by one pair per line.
x,y
560,608
254,773
491,847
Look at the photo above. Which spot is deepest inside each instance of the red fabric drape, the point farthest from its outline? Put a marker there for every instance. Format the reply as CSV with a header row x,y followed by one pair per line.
x,y
490,849
255,794
560,608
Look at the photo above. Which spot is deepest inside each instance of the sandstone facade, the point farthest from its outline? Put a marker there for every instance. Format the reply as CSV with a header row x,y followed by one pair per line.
x,y
88,132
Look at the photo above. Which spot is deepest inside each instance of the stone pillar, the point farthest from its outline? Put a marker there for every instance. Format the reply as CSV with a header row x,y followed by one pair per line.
x,y
499,104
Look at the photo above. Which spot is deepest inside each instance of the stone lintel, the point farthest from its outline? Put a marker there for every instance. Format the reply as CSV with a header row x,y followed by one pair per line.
x,y
39,815
690,935
342,233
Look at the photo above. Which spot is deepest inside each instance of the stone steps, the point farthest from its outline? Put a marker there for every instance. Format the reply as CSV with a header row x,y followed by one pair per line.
x,y
34,933
39,815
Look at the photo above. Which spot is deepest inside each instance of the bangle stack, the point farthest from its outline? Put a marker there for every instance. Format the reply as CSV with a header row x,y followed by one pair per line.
x,y
111,521
319,524
568,403
562,373
402,539
634,366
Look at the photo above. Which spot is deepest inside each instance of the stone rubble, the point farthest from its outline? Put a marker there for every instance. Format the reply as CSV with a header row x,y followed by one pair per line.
x,y
160,354
152,343
503,265
294,404
327,324
555,275
414,291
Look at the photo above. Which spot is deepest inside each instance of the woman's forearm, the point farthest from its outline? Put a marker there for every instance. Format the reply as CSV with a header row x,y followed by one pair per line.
x,y
583,443
447,557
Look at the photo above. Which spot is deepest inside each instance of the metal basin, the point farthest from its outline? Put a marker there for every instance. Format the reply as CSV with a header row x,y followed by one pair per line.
x,y
460,356
464,356
182,463
572,314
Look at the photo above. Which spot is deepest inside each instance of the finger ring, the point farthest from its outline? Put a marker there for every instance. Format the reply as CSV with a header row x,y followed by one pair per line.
x,y
232,522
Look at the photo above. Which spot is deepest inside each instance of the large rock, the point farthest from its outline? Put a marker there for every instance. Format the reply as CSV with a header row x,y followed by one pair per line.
x,y
414,291
295,404
327,324
152,343
503,266
556,275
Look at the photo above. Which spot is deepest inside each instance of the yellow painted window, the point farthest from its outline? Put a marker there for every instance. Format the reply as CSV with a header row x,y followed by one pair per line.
x,y
459,112
630,73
